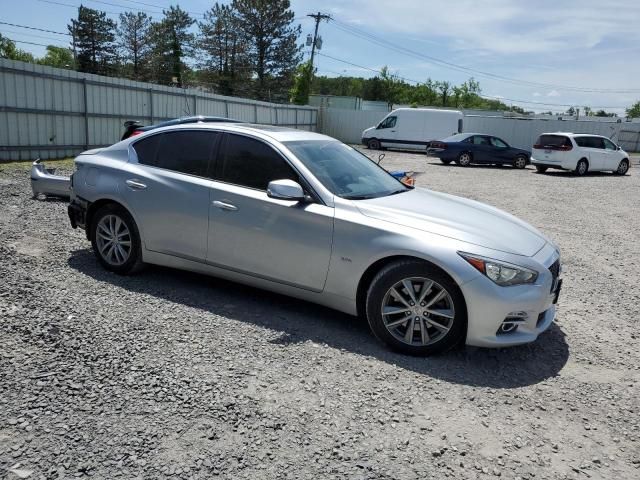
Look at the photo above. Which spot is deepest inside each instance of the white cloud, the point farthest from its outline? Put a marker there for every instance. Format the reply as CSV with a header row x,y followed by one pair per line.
x,y
553,93
537,94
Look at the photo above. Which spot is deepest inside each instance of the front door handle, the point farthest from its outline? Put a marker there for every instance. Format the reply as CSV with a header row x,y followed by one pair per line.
x,y
225,206
135,184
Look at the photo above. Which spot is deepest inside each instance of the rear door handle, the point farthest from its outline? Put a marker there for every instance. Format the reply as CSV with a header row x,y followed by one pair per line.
x,y
135,184
225,206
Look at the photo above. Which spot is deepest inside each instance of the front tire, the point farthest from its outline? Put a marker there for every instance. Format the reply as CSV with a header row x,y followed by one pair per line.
x,y
115,240
541,168
623,167
581,168
416,309
520,162
464,159
374,144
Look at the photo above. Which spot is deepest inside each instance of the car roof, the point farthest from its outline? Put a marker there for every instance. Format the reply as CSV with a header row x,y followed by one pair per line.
x,y
193,119
571,134
275,132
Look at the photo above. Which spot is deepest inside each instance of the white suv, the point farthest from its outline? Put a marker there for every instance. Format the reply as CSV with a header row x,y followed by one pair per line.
x,y
578,152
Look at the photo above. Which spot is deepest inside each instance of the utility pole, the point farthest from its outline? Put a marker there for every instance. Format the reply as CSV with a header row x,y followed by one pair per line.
x,y
318,17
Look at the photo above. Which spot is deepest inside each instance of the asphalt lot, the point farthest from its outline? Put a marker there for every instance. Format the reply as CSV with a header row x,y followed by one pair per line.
x,y
170,374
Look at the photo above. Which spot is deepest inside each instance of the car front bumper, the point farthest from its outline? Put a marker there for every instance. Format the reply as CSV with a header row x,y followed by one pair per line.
x,y
489,306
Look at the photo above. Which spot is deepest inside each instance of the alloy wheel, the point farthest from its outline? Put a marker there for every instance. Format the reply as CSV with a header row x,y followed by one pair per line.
x,y
520,162
113,240
623,167
418,311
464,160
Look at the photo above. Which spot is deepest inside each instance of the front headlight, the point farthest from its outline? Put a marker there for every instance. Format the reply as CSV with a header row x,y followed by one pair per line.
x,y
503,274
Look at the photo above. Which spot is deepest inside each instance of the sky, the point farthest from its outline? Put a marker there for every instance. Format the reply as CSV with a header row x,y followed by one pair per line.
x,y
538,54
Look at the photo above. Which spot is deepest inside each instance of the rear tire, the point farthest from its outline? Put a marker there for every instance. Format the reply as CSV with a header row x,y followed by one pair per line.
x,y
520,162
373,144
115,240
464,159
581,168
623,167
435,323
541,168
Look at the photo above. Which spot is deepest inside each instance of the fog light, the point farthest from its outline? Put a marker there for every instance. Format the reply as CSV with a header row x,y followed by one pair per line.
x,y
511,322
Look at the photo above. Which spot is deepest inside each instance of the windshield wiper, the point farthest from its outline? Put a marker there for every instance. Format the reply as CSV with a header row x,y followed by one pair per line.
x,y
359,197
398,191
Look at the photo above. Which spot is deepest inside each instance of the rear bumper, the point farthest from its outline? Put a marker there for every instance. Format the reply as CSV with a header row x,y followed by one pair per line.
x,y
563,165
45,182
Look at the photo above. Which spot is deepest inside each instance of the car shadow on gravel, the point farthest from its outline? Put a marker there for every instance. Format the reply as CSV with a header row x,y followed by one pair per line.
x,y
299,322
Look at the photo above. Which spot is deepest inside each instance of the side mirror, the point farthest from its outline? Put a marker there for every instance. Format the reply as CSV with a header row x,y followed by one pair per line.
x,y
618,147
285,190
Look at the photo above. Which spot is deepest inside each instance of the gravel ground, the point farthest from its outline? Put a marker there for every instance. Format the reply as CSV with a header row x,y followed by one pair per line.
x,y
175,375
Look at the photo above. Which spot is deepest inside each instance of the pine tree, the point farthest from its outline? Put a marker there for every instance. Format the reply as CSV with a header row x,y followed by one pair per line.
x,y
172,42
224,49
272,39
134,43
94,37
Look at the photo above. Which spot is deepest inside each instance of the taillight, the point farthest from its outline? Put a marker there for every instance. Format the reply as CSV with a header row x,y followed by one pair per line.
x,y
538,146
438,145
565,148
562,148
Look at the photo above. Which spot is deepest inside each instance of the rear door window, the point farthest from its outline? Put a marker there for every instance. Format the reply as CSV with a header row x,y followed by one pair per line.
x,y
252,163
185,152
590,142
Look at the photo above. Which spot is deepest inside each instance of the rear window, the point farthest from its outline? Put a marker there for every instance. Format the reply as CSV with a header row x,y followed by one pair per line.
x,y
552,141
460,137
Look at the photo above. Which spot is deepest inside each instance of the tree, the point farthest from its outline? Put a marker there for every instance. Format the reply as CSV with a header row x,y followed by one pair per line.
x,y
587,111
445,88
171,42
225,49
134,43
94,36
572,111
391,86
59,57
634,110
271,37
302,84
9,50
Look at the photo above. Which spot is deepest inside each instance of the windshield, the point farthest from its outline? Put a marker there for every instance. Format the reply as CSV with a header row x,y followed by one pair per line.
x,y
345,171
456,138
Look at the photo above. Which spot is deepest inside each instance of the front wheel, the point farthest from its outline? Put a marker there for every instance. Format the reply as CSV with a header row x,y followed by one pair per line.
x,y
541,169
115,240
373,144
416,309
623,167
520,162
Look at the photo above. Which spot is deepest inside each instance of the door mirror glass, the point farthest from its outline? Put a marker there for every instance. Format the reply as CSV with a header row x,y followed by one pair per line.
x,y
285,190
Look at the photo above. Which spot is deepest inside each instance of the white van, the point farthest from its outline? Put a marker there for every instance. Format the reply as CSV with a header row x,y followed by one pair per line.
x,y
413,128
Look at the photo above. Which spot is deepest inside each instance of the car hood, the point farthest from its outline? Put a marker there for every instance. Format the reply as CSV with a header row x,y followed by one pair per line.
x,y
455,217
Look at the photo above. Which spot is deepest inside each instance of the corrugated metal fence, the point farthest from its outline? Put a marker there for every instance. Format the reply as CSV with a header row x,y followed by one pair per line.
x,y
347,125
53,113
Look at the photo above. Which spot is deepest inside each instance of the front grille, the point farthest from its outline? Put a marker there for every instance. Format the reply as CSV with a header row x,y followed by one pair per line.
x,y
555,272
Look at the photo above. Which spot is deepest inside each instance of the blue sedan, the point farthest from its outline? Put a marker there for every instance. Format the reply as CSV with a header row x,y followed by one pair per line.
x,y
468,148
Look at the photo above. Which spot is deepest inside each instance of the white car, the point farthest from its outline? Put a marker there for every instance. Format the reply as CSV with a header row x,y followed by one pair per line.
x,y
578,152
412,128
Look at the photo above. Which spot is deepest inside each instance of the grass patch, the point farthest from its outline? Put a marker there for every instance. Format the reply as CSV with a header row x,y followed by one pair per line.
x,y
22,165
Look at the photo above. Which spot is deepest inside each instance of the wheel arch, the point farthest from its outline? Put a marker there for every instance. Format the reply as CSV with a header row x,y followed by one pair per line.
x,y
372,270
98,204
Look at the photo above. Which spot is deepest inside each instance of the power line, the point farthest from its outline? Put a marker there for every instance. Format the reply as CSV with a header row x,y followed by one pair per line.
x,y
490,97
398,48
34,28
13,32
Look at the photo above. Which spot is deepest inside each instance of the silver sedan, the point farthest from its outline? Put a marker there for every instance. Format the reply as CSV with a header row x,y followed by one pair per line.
x,y
305,215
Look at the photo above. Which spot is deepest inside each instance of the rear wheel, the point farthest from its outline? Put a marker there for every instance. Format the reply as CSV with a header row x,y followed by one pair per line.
x,y
446,162
416,309
115,240
623,167
520,162
373,144
541,168
581,168
464,159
